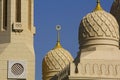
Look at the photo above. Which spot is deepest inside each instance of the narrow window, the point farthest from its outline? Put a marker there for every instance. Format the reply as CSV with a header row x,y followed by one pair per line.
x,y
5,14
18,10
29,14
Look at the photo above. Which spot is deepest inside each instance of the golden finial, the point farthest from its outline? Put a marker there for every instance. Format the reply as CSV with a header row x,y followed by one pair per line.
x,y
98,6
58,45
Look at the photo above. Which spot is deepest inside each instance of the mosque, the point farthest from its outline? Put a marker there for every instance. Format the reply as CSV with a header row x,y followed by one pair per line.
x,y
99,55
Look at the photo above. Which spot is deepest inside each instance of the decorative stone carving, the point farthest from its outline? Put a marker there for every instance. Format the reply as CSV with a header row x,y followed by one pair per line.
x,y
96,69
55,61
103,69
106,70
118,69
17,27
88,69
98,25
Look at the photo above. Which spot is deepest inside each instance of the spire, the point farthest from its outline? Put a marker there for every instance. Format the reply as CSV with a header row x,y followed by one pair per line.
x,y
98,6
58,45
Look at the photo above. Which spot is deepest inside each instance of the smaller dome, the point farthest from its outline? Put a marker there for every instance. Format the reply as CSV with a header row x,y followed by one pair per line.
x,y
55,61
99,27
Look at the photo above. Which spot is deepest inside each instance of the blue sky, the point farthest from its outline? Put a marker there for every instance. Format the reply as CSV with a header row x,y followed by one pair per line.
x,y
68,14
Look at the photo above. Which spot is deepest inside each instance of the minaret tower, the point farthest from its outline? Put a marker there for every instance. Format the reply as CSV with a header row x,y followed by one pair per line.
x,y
17,57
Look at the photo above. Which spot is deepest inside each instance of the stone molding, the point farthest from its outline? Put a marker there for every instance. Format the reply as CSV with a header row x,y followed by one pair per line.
x,y
97,70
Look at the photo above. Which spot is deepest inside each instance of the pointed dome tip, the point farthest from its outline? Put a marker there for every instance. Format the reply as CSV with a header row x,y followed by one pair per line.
x,y
58,45
98,6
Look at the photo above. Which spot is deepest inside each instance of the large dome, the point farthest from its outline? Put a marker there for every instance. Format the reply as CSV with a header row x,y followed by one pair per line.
x,y
99,27
55,61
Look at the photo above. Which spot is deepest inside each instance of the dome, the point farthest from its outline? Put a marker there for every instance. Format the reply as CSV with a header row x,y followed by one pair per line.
x,y
99,27
55,60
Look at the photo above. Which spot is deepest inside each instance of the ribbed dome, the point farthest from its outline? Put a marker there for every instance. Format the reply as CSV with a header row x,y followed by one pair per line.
x,y
99,27
55,60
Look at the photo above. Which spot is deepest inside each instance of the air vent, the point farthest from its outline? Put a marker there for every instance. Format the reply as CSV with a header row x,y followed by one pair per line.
x,y
16,70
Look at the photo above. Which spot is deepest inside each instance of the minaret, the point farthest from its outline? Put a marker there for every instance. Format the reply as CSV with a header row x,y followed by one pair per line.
x,y
17,57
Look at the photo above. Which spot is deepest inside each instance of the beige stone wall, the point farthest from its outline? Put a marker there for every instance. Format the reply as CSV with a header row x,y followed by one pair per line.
x,y
98,69
100,62
17,52
17,46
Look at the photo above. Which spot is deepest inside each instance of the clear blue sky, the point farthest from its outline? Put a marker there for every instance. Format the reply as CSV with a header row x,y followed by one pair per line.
x,y
67,13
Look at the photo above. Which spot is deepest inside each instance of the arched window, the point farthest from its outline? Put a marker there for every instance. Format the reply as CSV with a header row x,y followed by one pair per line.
x,y
18,10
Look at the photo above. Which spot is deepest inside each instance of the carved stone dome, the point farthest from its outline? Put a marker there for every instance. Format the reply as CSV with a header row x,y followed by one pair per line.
x,y
99,27
55,61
